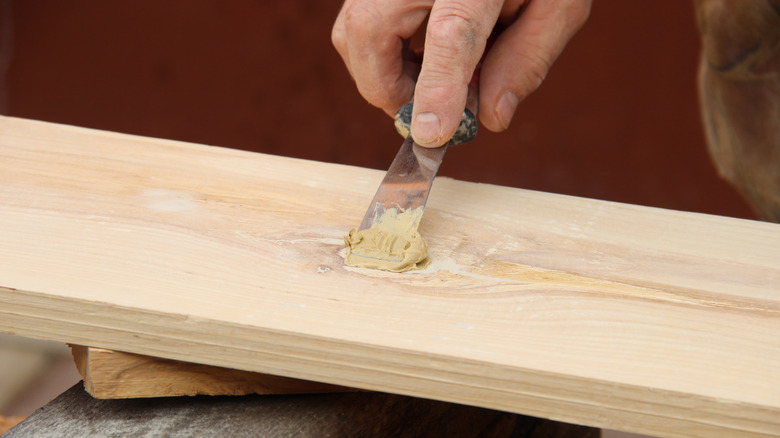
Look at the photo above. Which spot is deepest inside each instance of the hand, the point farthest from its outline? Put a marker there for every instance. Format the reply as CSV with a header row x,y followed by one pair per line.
x,y
372,37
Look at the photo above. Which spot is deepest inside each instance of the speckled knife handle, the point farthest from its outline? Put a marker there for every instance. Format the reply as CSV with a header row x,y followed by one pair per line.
x,y
467,129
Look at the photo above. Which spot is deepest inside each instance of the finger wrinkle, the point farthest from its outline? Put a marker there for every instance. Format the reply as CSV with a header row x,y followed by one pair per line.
x,y
436,91
458,10
440,76
536,72
534,62
453,25
360,20
439,98
441,50
575,12
388,91
566,16
447,65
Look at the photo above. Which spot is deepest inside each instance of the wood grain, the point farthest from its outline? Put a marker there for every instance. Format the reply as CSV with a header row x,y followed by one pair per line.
x,y
578,310
110,374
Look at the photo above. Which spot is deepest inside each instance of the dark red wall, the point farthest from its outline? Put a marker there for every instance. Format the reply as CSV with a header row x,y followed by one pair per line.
x,y
616,119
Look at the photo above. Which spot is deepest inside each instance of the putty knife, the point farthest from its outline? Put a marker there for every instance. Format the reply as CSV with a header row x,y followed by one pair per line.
x,y
408,181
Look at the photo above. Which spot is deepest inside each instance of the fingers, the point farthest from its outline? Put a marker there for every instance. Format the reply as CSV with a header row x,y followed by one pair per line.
x,y
454,42
521,56
369,35
510,11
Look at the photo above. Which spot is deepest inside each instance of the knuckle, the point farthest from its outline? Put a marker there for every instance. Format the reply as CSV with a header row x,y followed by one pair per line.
x,y
338,37
380,94
373,96
360,18
451,43
433,92
538,66
459,22
454,22
441,74
536,76
577,11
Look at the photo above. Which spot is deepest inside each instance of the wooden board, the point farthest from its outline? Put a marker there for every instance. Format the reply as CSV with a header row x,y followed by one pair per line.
x,y
110,374
572,309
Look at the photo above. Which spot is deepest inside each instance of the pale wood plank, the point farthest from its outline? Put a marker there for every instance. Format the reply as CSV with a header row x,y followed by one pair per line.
x,y
578,310
110,374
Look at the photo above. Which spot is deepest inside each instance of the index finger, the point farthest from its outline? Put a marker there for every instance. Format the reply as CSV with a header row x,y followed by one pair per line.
x,y
454,42
369,35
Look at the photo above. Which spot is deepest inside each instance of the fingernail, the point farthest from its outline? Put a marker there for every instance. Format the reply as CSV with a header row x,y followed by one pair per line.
x,y
506,109
427,128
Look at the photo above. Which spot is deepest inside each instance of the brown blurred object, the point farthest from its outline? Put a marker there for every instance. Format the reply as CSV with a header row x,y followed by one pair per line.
x,y
740,95
9,422
617,117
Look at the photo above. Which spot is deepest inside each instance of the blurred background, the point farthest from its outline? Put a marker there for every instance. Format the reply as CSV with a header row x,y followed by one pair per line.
x,y
617,118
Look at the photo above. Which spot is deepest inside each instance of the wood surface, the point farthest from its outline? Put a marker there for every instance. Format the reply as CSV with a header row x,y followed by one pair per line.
x,y
577,310
110,374
75,414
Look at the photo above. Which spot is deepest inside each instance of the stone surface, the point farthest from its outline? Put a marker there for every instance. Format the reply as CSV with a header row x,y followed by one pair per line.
x,y
75,414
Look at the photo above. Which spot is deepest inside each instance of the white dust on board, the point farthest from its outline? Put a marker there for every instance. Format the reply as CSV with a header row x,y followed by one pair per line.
x,y
169,201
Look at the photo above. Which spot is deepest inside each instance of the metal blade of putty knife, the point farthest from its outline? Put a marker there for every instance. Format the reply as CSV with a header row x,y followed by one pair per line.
x,y
408,181
387,238
398,204
406,185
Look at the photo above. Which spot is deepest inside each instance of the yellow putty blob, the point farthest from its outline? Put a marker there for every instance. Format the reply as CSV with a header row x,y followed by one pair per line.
x,y
391,244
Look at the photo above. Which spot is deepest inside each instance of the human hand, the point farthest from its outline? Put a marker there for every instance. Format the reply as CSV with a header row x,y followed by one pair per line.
x,y
372,37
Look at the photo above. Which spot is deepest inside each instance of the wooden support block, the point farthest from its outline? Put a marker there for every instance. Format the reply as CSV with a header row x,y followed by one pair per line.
x,y
111,374
590,312
75,414
9,422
